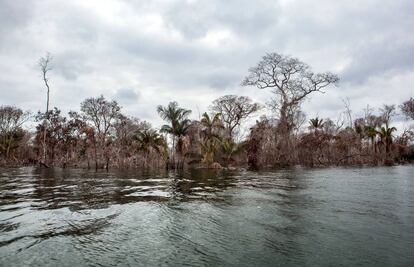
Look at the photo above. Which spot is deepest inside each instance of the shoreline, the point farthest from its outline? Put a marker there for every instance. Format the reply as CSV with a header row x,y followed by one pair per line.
x,y
232,168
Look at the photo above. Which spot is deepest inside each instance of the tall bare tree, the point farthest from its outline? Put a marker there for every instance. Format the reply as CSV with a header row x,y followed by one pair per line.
x,y
45,66
291,81
233,110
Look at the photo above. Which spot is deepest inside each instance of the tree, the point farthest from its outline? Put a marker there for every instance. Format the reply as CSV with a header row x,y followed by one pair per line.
x,y
290,79
11,121
229,148
407,108
126,129
233,110
211,125
45,67
208,148
100,114
387,112
62,135
371,133
315,124
180,132
55,131
386,136
149,141
178,119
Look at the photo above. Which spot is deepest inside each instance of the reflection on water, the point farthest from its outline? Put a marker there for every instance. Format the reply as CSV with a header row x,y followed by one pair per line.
x,y
52,217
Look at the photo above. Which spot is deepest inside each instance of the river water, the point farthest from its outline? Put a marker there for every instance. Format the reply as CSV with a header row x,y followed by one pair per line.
x,y
298,217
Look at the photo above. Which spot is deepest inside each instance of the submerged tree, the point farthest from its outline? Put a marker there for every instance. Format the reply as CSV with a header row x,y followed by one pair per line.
x,y
101,115
229,148
386,136
11,121
291,81
371,133
211,125
178,119
45,67
62,136
233,110
149,141
181,133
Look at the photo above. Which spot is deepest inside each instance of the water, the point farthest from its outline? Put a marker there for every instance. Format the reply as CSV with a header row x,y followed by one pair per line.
x,y
319,217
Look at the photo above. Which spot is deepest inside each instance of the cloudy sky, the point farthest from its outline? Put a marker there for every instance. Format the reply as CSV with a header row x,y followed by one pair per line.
x,y
145,53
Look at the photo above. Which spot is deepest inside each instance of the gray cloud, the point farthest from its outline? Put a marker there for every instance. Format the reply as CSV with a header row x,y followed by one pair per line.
x,y
147,53
127,95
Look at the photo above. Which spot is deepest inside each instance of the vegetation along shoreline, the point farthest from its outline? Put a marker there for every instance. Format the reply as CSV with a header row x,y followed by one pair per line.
x,y
100,136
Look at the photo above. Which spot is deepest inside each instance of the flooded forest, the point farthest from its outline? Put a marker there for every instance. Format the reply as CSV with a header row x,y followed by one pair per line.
x,y
101,136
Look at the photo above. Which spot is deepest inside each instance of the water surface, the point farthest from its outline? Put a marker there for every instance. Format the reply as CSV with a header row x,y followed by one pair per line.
x,y
319,217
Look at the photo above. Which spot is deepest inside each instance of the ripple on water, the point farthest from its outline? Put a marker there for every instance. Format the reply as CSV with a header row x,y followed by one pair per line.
x,y
207,217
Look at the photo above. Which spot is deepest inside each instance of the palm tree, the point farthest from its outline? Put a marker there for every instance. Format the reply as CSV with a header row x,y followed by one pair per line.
x,y
180,132
229,148
208,148
315,124
149,140
385,134
178,119
370,132
211,125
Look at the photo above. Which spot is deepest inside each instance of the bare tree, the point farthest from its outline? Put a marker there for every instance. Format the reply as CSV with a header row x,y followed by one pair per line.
x,y
101,115
45,66
408,108
348,111
387,112
290,79
233,110
11,121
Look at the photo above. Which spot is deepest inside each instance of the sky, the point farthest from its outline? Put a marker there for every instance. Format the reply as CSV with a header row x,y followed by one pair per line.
x,y
146,53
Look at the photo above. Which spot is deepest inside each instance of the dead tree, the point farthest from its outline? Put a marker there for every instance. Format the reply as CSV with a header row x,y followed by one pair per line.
x,y
101,115
44,64
233,110
291,81
11,121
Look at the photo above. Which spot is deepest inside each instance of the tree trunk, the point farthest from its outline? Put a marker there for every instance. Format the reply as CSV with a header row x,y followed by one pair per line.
x,y
284,132
173,151
45,123
8,147
95,154
107,163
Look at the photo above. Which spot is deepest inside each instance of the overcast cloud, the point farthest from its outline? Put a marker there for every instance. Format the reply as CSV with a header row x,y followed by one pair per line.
x,y
145,53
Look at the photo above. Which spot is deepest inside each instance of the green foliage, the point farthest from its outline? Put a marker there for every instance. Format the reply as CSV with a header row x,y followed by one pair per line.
x,y
176,116
149,140
179,123
208,148
316,123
